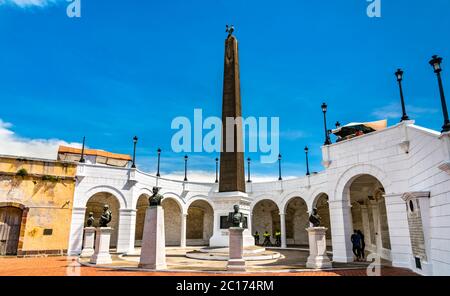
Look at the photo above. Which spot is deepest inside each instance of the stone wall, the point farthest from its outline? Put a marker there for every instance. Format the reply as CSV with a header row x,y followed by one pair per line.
x,y
46,193
266,217
297,220
199,224
172,222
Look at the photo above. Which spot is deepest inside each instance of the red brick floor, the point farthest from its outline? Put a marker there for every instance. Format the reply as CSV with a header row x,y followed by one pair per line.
x,y
61,266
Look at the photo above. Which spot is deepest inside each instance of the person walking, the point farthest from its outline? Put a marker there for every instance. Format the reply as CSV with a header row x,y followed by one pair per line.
x,y
267,242
278,238
363,245
256,236
356,242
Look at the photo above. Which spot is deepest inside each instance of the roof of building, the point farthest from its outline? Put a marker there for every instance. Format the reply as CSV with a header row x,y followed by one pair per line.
x,y
71,150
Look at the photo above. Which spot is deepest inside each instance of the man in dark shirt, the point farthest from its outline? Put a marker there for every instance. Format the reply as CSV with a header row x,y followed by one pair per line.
x,y
363,244
356,242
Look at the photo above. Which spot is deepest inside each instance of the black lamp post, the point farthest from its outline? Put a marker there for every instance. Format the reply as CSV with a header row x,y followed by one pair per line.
x,y
327,135
135,139
436,63
248,169
307,161
217,170
399,75
159,161
279,168
82,160
185,168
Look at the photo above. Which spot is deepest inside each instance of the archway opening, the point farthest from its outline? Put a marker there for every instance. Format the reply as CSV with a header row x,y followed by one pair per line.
x,y
297,220
199,224
141,209
266,217
95,205
10,222
323,209
172,222
369,214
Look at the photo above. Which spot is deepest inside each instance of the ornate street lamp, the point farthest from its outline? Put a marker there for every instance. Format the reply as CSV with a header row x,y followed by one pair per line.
x,y
399,75
135,140
327,135
159,161
185,168
307,161
82,160
217,170
436,63
279,168
248,169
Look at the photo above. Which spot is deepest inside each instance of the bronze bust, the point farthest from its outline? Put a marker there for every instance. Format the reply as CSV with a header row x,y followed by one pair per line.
x,y
156,198
90,220
314,218
236,218
106,217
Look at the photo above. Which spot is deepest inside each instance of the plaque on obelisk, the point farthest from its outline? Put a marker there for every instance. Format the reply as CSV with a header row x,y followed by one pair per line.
x,y
231,189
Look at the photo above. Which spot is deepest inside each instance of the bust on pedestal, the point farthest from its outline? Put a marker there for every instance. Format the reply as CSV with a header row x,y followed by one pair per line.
x,y
236,260
103,236
153,251
89,238
318,258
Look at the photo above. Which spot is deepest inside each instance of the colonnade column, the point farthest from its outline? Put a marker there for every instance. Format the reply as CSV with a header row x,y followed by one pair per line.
x,y
341,230
366,225
283,230
76,231
376,225
183,230
127,231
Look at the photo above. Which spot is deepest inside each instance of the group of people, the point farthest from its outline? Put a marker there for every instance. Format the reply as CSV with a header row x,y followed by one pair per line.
x,y
359,245
267,242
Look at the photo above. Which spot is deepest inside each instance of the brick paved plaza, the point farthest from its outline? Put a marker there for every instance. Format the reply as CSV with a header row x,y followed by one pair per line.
x,y
62,266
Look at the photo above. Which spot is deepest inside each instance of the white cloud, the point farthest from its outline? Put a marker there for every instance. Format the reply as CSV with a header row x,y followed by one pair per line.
x,y
29,3
394,110
12,144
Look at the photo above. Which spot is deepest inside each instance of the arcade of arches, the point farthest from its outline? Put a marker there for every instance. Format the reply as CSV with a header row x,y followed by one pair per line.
x,y
367,208
266,216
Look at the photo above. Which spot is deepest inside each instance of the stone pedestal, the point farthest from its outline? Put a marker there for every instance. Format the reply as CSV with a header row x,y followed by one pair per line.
x,y
101,252
236,260
223,205
153,251
318,258
88,244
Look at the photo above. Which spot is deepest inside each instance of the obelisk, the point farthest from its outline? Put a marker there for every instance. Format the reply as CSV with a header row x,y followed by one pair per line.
x,y
232,175
231,189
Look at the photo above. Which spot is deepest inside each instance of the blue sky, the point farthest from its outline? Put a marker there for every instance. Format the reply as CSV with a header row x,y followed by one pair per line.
x,y
128,68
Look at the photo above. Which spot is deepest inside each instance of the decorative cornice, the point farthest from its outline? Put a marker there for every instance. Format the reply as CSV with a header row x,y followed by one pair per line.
x,y
415,194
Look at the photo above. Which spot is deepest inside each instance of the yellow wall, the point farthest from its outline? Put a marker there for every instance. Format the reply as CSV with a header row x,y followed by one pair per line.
x,y
49,202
